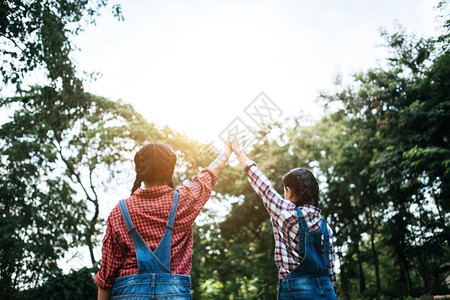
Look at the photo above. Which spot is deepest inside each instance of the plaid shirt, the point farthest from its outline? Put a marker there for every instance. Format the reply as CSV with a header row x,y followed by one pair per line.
x,y
149,210
285,223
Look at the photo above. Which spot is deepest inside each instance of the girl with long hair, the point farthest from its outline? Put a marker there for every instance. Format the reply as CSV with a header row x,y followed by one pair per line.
x,y
147,246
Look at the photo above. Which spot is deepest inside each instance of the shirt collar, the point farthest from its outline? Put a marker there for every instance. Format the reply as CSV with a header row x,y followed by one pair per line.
x,y
311,209
153,192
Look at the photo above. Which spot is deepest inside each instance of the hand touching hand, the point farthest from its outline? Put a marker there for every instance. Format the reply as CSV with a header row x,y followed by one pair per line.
x,y
233,140
237,149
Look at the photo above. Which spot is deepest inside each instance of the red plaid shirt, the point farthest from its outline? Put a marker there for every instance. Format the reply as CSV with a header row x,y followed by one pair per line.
x,y
149,210
285,223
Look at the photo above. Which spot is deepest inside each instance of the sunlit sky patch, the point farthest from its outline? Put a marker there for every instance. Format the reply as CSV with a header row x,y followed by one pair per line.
x,y
195,65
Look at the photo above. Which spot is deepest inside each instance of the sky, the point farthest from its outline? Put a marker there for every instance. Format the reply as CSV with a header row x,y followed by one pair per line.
x,y
196,65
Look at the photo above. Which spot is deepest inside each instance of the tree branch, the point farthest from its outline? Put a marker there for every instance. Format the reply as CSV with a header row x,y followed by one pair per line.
x,y
72,172
13,41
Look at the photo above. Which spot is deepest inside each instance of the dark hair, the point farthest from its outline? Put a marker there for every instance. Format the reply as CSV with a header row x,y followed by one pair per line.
x,y
154,162
304,185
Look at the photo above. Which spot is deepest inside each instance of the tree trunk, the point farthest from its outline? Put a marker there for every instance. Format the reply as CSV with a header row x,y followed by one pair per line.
x,y
94,200
362,279
424,272
376,261
442,219
403,279
408,275
401,255
344,282
423,258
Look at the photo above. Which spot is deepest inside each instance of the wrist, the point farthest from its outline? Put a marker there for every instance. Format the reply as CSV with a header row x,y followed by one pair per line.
x,y
240,153
247,165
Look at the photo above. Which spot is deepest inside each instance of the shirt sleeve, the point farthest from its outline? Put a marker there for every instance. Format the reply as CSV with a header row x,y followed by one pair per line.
x,y
331,270
274,203
198,192
113,257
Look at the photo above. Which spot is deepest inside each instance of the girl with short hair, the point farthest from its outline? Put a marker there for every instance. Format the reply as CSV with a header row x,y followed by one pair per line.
x,y
303,240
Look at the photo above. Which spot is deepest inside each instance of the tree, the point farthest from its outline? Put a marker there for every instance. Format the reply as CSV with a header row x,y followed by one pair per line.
x,y
47,153
57,151
75,285
36,34
391,122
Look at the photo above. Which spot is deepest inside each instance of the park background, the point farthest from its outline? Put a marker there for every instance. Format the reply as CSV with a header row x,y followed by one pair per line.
x,y
361,95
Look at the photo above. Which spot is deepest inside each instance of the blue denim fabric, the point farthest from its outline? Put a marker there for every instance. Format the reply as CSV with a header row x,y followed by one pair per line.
x,y
154,279
310,280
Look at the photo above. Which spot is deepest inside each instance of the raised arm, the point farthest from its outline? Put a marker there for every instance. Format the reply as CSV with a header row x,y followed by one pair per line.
x,y
273,201
220,162
196,193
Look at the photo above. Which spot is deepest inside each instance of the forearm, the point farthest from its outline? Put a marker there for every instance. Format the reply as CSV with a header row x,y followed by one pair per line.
x,y
113,257
273,202
242,157
220,162
331,268
103,294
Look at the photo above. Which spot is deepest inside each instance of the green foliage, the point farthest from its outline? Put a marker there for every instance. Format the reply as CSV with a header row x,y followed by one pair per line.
x,y
385,167
37,34
382,159
76,285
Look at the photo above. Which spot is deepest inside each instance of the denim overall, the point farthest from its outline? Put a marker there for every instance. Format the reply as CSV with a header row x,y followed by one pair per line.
x,y
153,279
310,280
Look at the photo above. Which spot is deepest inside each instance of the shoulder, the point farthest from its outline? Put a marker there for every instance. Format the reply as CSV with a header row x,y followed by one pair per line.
x,y
311,212
115,218
114,214
288,214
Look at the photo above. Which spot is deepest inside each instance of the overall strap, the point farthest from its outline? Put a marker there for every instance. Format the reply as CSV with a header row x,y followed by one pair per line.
x,y
138,241
326,242
126,215
313,264
164,246
302,228
149,261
